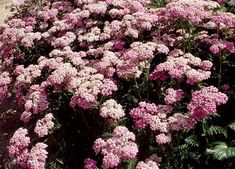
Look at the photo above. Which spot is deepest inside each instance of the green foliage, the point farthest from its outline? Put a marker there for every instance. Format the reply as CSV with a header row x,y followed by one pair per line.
x,y
157,3
132,163
220,151
232,126
217,130
55,164
192,140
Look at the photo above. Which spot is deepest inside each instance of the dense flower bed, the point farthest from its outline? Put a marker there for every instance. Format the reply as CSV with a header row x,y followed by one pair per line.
x,y
113,83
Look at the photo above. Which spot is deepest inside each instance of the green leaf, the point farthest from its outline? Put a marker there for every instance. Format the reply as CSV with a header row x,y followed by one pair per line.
x,y
232,126
192,140
107,135
132,163
215,130
183,147
221,151
103,167
218,144
122,121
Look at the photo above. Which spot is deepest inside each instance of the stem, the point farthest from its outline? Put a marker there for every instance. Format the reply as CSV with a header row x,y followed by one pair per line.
x,y
86,123
138,89
220,70
204,129
147,81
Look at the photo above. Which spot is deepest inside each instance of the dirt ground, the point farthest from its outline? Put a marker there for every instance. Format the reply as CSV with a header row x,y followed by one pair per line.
x,y
3,11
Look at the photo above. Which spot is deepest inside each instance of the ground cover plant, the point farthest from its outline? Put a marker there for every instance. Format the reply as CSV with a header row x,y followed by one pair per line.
x,y
126,84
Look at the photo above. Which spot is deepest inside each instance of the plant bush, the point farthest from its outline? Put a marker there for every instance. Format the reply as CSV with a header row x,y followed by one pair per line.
x,y
120,83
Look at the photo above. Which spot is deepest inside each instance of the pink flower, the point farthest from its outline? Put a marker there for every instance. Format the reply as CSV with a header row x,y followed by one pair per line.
x,y
90,85
206,65
5,80
36,101
129,151
98,145
179,121
181,67
3,93
108,87
221,2
121,146
44,125
205,102
163,138
214,49
110,160
90,164
26,116
147,165
65,40
18,142
97,8
111,109
142,114
173,96
37,156
22,158
152,115
225,87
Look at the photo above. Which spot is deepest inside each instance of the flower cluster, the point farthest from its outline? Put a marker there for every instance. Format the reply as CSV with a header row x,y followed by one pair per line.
x,y
112,110
218,46
163,138
143,113
18,142
44,125
173,96
37,156
150,163
147,165
90,164
121,146
88,86
195,13
33,159
187,66
36,102
134,60
5,80
205,102
160,118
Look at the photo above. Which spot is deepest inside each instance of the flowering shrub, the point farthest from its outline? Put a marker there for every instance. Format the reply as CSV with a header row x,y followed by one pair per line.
x,y
127,79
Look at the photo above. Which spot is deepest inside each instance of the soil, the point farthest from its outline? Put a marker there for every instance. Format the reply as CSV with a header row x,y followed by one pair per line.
x,y
3,12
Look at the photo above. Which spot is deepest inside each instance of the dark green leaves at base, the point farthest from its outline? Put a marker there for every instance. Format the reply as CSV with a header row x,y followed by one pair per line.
x,y
220,151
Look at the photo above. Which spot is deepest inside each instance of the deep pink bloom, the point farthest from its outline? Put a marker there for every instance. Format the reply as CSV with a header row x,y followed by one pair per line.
x,y
205,101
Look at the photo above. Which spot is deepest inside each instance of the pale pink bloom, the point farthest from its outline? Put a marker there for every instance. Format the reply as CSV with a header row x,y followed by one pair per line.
x,y
163,138
121,146
37,156
173,96
44,125
147,165
112,110
18,142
